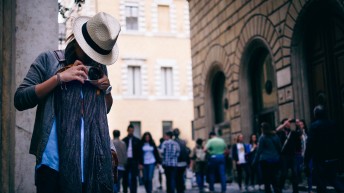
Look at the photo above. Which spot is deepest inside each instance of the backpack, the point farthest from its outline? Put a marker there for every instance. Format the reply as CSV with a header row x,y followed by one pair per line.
x,y
200,154
59,54
184,152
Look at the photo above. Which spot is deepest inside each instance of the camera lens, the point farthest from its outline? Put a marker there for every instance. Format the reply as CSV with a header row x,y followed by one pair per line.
x,y
94,73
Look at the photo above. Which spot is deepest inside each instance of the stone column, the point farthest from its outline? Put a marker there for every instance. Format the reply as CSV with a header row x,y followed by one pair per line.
x,y
7,111
36,30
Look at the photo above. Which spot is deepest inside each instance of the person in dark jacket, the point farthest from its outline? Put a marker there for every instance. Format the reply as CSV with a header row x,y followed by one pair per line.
x,y
290,152
323,148
183,161
149,158
160,167
268,157
71,132
255,171
133,154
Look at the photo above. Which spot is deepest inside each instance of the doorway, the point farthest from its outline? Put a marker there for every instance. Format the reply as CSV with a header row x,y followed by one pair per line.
x,y
324,52
263,88
218,96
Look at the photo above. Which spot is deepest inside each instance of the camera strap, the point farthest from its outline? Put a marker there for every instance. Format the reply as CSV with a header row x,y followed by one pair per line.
x,y
286,141
59,54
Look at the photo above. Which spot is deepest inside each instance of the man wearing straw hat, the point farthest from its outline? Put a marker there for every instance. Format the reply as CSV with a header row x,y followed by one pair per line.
x,y
72,93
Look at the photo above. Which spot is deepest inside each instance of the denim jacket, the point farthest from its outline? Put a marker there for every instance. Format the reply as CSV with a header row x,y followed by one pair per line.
x,y
44,67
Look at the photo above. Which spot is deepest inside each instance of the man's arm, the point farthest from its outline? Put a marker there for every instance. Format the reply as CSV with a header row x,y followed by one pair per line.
x,y
109,101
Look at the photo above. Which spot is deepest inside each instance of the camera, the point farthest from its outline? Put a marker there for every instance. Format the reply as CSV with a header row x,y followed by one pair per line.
x,y
292,121
94,72
292,124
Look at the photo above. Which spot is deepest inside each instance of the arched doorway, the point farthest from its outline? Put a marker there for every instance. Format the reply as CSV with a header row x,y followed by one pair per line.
x,y
216,100
218,96
258,87
318,44
325,57
264,89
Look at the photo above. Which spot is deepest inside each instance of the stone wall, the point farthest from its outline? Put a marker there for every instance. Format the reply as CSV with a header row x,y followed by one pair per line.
x,y
229,26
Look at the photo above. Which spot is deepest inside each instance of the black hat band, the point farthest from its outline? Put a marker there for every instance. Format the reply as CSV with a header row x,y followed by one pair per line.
x,y
91,43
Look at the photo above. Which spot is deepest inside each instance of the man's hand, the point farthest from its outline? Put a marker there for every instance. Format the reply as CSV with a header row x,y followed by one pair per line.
x,y
114,165
76,72
102,83
140,167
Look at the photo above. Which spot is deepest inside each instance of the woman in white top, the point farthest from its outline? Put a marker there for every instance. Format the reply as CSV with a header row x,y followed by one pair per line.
x,y
149,158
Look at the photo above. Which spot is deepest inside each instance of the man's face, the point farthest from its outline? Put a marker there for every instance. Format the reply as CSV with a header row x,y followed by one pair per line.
x,y
300,124
130,131
287,124
83,56
166,137
240,138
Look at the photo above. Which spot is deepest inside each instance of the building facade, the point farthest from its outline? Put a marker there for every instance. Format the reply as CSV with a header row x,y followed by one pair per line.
x,y
151,80
265,60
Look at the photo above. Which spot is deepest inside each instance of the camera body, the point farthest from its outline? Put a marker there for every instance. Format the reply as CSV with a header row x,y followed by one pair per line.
x,y
94,72
292,124
292,120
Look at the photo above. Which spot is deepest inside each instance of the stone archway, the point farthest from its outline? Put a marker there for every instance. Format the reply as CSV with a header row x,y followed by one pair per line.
x,y
252,38
214,65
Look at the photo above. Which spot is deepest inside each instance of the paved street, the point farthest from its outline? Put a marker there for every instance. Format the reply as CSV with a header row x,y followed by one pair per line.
x,y
231,187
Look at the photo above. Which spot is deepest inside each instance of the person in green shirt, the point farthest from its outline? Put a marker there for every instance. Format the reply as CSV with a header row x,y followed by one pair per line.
x,y
216,148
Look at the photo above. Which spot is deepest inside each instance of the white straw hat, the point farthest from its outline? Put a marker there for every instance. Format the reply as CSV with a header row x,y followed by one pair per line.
x,y
97,37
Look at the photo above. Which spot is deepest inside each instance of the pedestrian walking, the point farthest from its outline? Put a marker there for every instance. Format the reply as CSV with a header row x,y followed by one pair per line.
x,y
149,158
240,151
291,150
301,129
254,169
170,154
183,161
161,170
309,175
132,168
71,90
268,156
199,164
121,149
323,148
216,148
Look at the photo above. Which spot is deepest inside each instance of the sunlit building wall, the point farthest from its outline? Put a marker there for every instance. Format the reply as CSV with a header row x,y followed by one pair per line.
x,y
151,80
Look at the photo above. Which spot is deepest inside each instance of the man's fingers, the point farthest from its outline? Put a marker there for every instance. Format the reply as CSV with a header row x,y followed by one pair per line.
x,y
81,67
82,74
78,78
78,62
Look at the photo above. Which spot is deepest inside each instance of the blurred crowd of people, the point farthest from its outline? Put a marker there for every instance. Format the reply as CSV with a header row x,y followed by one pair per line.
x,y
138,159
305,155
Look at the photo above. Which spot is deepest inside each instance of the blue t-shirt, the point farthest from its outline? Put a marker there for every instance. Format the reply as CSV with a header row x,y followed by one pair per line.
x,y
51,154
